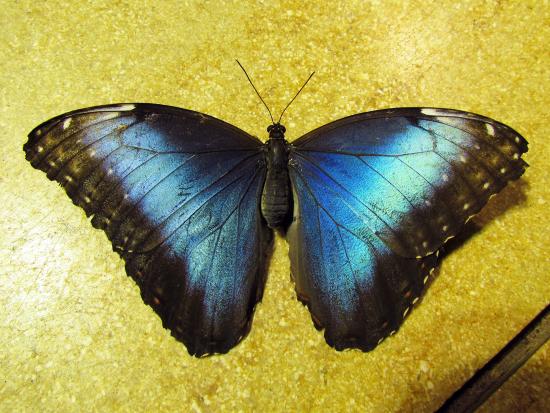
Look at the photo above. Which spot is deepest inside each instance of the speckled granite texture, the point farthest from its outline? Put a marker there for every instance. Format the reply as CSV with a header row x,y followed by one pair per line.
x,y
75,335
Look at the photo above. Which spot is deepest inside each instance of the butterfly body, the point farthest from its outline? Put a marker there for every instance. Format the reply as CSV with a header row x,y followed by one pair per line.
x,y
189,202
277,196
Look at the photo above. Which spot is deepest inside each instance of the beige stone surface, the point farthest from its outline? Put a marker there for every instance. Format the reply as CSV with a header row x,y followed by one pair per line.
x,y
75,335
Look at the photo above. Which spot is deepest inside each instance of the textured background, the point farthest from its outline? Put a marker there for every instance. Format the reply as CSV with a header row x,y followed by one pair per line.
x,y
75,334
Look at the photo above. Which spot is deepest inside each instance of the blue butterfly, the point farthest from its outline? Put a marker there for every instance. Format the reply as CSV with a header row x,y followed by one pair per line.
x,y
189,202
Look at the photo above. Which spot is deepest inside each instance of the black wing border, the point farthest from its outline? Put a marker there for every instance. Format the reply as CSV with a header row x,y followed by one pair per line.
x,y
136,107
405,112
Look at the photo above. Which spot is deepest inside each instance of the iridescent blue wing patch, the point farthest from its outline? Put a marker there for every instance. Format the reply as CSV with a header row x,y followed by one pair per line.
x,y
376,195
177,193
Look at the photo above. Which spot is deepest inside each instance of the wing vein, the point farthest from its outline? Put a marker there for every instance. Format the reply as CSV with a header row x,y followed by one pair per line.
x,y
355,281
350,153
191,152
120,182
137,203
389,182
480,162
355,198
489,121
81,180
180,206
80,150
475,196
319,205
220,226
105,174
70,135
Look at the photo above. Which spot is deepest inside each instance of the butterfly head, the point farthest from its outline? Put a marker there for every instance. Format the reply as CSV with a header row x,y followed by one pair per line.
x,y
276,131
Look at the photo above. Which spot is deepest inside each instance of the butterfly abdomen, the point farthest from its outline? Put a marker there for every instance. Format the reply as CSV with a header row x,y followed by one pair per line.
x,y
276,195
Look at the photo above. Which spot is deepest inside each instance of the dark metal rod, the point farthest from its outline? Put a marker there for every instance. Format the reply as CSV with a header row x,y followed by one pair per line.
x,y
491,376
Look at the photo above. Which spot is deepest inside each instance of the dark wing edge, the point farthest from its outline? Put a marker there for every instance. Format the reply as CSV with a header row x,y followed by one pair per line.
x,y
137,108
364,293
117,162
407,112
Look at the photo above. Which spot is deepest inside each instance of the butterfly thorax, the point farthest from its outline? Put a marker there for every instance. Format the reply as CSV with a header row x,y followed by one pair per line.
x,y
276,195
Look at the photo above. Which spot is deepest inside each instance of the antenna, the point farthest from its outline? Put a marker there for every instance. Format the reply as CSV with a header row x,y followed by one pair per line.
x,y
258,93
256,90
295,96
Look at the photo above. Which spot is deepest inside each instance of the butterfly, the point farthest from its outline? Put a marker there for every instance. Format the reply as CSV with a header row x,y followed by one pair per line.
x,y
190,203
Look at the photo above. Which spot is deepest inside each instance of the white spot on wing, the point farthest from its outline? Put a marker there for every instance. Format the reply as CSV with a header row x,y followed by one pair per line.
x,y
67,123
502,170
490,129
127,107
431,112
110,115
39,149
486,185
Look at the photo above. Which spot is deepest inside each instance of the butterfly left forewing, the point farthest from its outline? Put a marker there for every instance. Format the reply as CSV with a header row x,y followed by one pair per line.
x,y
387,189
177,193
